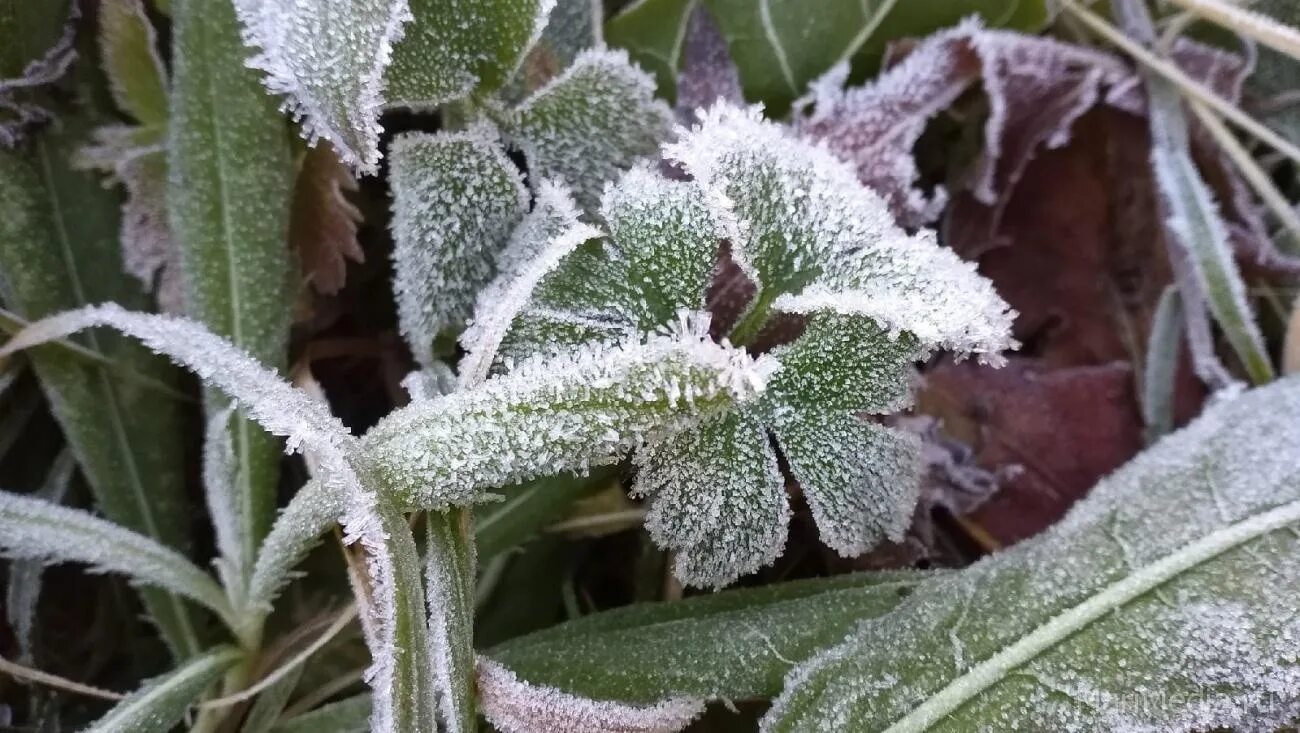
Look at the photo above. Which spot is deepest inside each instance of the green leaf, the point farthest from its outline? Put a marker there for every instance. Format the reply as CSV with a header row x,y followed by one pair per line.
x,y
1194,221
35,529
162,702
350,715
779,47
403,672
129,47
1163,601
574,26
312,511
23,591
529,507
456,198
1160,373
59,250
454,48
590,124
653,32
1275,72
556,414
230,180
733,645
328,59
724,479
449,584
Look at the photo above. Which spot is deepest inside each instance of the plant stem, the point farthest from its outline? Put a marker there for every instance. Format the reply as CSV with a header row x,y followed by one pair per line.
x,y
450,587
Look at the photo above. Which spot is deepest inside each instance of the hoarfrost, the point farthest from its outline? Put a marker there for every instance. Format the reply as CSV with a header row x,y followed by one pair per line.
x,y
23,113
515,706
1164,601
591,123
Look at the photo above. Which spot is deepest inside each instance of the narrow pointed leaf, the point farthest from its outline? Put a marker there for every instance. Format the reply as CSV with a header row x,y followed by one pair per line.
x,y
556,414
23,591
515,706
733,645
228,198
328,59
36,529
453,48
312,511
59,250
456,199
350,715
163,701
1173,581
591,123
449,584
403,672
129,47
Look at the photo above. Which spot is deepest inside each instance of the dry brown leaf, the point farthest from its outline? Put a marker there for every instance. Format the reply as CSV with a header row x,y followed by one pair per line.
x,y
323,230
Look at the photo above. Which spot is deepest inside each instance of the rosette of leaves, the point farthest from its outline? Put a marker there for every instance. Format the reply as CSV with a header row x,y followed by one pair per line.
x,y
816,246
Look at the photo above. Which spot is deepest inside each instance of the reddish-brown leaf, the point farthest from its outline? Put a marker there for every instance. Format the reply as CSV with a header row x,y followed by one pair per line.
x,y
323,229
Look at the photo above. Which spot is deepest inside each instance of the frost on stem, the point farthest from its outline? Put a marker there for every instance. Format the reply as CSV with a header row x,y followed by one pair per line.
x,y
515,706
559,412
590,123
456,199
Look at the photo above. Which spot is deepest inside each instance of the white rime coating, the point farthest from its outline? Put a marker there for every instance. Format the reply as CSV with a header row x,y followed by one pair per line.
x,y
282,410
658,259
541,241
456,199
221,499
328,59
591,123
454,48
515,706
163,701
35,529
561,412
312,511
718,499
1163,602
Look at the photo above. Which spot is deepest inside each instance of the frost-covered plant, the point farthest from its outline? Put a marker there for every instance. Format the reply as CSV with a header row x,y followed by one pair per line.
x,y
816,244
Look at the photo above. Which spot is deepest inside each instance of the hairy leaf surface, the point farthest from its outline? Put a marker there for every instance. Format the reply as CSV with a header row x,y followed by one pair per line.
x,y
162,702
453,48
1163,601
734,645
591,123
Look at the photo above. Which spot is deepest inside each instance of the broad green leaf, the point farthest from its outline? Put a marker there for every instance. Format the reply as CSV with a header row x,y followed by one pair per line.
x,y
1194,221
229,187
35,529
574,26
724,477
449,585
454,48
328,59
162,702
556,414
528,507
779,47
350,715
658,260
59,250
1165,600
733,645
456,199
653,32
590,124
129,47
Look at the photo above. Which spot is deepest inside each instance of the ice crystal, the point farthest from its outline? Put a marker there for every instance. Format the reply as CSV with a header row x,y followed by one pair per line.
x,y
590,123
219,477
1164,601
21,112
313,510
454,48
559,413
328,59
515,706
456,199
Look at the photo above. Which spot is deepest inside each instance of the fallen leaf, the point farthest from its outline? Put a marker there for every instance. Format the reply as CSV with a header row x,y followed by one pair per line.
x,y
323,228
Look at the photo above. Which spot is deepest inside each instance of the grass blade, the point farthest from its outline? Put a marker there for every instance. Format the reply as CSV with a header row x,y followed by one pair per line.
x,y
161,703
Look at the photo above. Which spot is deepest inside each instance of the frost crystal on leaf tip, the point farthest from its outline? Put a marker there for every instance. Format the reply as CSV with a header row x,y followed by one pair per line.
x,y
513,705
328,59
